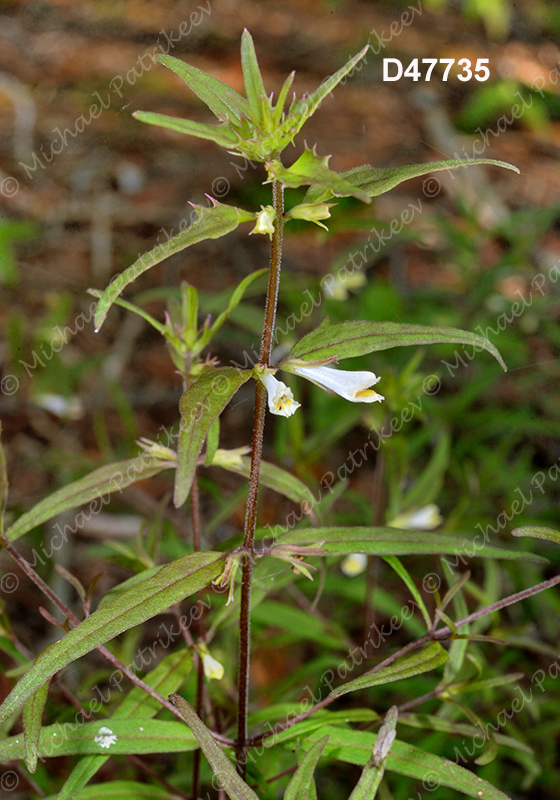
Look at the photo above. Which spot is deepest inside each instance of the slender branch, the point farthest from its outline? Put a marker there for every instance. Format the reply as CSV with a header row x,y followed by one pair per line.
x,y
256,457
507,601
113,660
430,636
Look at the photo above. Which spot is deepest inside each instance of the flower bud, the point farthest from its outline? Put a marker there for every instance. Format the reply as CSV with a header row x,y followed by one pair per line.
x,y
312,212
265,221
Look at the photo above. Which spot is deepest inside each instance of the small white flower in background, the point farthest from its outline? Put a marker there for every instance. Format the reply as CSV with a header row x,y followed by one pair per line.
x,y
338,289
213,670
351,385
105,737
63,407
265,221
424,519
280,398
354,564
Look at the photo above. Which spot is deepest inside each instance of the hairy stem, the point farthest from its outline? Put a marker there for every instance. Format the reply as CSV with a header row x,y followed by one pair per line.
x,y
197,534
256,457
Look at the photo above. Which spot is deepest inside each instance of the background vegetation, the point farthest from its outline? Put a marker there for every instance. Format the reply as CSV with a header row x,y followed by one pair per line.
x,y
484,241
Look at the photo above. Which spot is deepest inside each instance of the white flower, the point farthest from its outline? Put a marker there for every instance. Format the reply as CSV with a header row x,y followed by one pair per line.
x,y
265,221
354,564
423,519
213,670
280,398
353,386
105,737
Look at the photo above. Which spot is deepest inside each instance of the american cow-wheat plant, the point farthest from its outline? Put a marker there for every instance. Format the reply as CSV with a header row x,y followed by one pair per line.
x,y
246,751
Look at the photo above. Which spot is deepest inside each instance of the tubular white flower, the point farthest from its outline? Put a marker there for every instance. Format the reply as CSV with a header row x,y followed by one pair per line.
x,y
280,398
424,519
265,221
213,670
353,386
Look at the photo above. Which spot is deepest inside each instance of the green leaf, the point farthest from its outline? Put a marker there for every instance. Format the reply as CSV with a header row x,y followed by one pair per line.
x,y
219,134
356,747
235,299
3,484
286,86
224,102
234,785
300,624
425,660
212,442
120,790
170,585
356,338
199,406
90,489
302,109
373,181
403,573
211,223
428,485
298,787
254,86
120,736
32,715
165,678
538,533
310,168
276,478
432,722
340,541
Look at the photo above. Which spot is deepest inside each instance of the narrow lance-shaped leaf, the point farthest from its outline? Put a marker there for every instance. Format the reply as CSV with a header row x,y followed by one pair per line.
x,y
356,338
200,405
223,769
211,223
537,532
356,747
254,86
165,678
220,134
212,441
32,715
306,107
429,658
235,299
375,181
120,790
404,574
279,110
91,489
170,585
339,541
272,476
221,99
112,737
298,787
